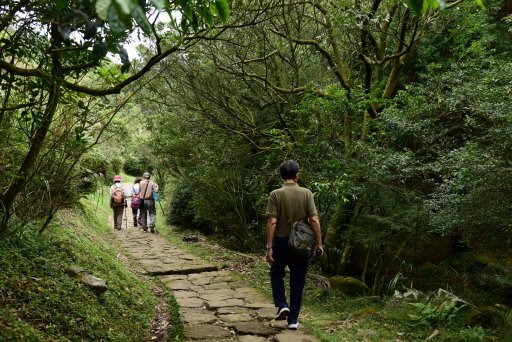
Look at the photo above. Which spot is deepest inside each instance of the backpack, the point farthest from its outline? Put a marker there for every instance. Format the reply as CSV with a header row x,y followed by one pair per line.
x,y
136,201
117,198
302,239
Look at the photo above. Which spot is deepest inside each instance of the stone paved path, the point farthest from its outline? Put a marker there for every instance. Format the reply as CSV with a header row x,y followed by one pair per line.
x,y
215,306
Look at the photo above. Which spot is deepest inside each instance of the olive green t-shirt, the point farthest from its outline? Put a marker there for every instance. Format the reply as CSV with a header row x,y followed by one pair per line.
x,y
300,206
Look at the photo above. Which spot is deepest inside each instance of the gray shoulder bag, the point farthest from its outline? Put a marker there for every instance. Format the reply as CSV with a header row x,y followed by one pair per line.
x,y
302,238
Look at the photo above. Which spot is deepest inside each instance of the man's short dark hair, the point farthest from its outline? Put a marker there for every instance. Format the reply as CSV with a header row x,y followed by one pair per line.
x,y
289,169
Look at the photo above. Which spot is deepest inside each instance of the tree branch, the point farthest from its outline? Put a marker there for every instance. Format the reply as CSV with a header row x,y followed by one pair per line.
x,y
118,87
323,51
13,69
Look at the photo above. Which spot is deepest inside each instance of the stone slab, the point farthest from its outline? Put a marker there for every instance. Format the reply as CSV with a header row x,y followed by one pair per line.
x,y
253,328
212,305
215,297
233,310
259,305
184,294
233,318
190,302
216,286
197,316
206,331
266,314
251,338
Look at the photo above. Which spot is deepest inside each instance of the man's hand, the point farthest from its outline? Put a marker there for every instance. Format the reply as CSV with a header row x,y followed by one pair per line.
x,y
269,257
319,251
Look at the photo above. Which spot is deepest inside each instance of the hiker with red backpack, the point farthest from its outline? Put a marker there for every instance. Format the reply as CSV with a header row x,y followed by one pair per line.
x,y
118,202
136,201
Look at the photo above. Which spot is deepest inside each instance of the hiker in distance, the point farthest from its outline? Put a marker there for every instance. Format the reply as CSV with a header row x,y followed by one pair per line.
x,y
147,191
118,202
136,202
286,205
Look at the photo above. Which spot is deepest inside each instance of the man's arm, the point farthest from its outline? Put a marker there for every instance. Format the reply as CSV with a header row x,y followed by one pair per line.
x,y
315,224
271,230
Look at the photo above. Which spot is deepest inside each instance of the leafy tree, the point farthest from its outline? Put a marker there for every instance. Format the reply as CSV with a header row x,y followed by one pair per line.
x,y
52,49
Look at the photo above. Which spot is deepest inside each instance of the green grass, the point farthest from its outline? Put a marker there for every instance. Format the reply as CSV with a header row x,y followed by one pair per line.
x,y
176,331
40,302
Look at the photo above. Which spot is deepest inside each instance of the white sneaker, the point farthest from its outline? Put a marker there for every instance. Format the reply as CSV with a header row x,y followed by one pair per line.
x,y
293,326
282,314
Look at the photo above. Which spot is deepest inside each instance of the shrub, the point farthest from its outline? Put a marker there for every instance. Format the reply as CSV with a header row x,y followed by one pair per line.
x,y
476,334
117,164
95,163
181,209
134,166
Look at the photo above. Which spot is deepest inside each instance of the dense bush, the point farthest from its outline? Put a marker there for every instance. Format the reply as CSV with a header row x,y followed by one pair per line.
x,y
117,164
181,209
134,166
96,163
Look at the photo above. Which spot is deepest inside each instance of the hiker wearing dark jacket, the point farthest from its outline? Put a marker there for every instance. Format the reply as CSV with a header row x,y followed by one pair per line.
x,y
147,188
300,206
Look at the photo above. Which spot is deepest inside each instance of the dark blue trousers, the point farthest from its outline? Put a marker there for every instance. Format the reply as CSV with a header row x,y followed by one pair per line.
x,y
298,267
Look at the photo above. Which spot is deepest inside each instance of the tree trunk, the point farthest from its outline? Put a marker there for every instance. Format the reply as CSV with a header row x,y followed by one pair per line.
x,y
37,140
344,258
49,219
366,264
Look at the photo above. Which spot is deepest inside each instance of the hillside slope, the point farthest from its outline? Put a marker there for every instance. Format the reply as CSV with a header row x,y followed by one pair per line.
x,y
40,301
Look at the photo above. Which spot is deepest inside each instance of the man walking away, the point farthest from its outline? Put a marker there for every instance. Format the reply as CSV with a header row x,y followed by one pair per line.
x,y
286,205
147,188
117,202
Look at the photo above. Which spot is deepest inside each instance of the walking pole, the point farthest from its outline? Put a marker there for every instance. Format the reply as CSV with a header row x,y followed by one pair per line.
x,y
163,213
125,218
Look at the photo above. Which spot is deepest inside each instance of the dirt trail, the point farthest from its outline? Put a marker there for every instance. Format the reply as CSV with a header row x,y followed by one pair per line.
x,y
214,305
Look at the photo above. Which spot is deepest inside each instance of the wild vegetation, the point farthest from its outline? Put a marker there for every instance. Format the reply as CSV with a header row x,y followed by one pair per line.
x,y
398,113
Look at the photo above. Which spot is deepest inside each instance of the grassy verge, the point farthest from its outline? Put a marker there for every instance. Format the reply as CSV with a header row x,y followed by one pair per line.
x,y
40,302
